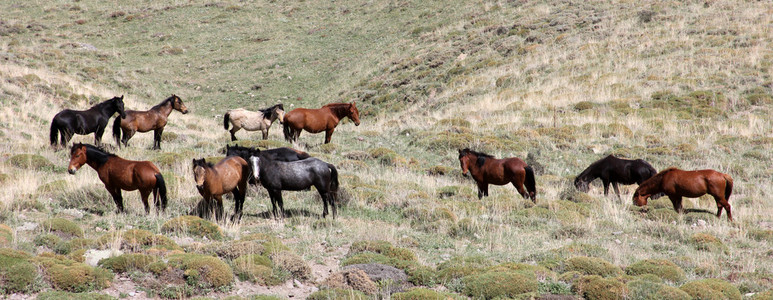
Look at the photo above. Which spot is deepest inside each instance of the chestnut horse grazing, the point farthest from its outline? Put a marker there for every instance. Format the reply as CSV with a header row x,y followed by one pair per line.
x,y
68,122
144,121
317,120
229,175
677,183
120,174
486,169
261,120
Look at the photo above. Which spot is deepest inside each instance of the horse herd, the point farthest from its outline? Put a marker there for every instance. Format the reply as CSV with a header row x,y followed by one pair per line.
x,y
290,169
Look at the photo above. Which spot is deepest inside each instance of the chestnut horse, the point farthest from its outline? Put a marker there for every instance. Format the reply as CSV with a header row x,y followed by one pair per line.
x,y
229,175
317,120
486,169
677,183
261,120
120,174
68,122
144,121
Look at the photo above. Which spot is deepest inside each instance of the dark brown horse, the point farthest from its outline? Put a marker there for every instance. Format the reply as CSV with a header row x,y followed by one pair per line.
x,y
614,170
68,122
317,120
120,174
144,121
229,175
486,169
677,183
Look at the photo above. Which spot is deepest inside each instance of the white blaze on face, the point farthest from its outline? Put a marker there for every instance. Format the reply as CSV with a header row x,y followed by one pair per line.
x,y
255,166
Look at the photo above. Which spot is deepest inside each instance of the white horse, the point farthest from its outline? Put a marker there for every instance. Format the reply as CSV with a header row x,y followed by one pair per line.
x,y
253,120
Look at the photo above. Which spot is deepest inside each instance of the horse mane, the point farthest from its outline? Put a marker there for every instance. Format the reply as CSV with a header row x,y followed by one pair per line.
x,y
106,103
585,173
339,109
481,156
163,103
202,162
657,179
98,154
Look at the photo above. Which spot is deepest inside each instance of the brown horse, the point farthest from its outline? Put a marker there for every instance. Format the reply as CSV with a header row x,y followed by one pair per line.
x,y
229,175
317,120
677,183
144,121
120,174
486,169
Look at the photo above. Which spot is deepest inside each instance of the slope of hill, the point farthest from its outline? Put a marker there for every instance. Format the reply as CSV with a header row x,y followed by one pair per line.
x,y
557,83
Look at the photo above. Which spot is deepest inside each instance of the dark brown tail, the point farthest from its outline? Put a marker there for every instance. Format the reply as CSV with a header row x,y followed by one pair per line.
x,y
54,135
117,131
531,183
226,119
160,190
728,186
287,131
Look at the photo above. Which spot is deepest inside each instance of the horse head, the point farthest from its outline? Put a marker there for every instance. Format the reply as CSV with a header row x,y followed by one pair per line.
x,y
640,199
199,173
354,114
255,162
464,160
581,184
279,113
118,102
77,157
178,104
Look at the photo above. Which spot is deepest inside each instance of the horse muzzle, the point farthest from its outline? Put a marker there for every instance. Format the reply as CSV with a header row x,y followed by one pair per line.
x,y
464,174
72,171
200,188
185,111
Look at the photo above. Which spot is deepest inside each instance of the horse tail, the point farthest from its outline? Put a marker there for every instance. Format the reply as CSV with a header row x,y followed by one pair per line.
x,y
333,178
117,131
226,119
286,130
531,183
160,190
728,186
54,135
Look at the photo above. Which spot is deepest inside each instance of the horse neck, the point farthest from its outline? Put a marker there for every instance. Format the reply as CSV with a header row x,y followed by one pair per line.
x,y
587,175
95,159
652,186
107,108
473,167
165,107
340,110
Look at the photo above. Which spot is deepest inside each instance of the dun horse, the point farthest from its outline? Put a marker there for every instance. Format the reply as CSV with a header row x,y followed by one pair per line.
x,y
277,176
120,174
317,120
486,169
68,122
143,121
212,181
677,183
614,170
250,120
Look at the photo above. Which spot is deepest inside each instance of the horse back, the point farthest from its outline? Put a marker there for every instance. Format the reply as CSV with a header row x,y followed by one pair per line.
x,y
311,120
230,171
128,174
142,121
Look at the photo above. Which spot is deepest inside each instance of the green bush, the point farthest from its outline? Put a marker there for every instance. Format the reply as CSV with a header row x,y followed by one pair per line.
x,y
592,266
17,275
48,240
63,227
660,267
420,293
256,268
193,225
382,247
72,276
711,288
648,290
460,266
212,271
30,161
127,262
337,294
596,287
6,235
137,239
73,245
491,285
417,273
292,263
766,295
707,242
554,259
59,295
271,244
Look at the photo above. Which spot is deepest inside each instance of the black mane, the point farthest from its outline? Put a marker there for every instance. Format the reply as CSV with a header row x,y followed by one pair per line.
x,y
481,156
96,154
202,162
163,103
270,110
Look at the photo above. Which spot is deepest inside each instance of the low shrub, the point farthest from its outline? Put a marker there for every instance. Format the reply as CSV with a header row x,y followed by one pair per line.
x,y
711,288
592,266
339,294
707,242
127,262
648,290
211,271
461,266
63,227
495,284
596,287
420,293
30,161
292,263
72,276
193,225
256,268
59,295
660,267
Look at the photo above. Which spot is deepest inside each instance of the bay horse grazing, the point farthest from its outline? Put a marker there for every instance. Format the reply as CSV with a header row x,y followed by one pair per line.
x,y
121,174
486,169
277,176
317,120
68,122
614,170
229,175
676,183
143,121
261,120
278,154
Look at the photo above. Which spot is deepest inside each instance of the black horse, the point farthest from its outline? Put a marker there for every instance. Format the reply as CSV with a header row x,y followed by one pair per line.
x,y
614,170
279,154
277,176
68,122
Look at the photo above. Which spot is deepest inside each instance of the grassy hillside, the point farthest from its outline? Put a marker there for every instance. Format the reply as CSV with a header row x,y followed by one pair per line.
x,y
557,83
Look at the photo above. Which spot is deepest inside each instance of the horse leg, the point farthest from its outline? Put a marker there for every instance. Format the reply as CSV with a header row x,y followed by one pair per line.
x,y
144,195
521,190
273,196
233,132
219,208
617,190
482,190
265,133
677,202
127,134
117,198
606,186
157,138
324,202
98,135
328,135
